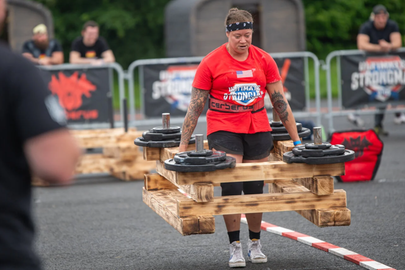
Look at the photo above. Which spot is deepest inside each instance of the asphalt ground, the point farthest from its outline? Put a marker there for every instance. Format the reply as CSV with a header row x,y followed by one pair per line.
x,y
102,223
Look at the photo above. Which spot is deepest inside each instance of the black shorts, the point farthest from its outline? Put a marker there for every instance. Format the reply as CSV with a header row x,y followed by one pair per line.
x,y
251,147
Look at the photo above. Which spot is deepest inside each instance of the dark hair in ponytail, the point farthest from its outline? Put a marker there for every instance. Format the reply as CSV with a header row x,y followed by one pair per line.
x,y
238,15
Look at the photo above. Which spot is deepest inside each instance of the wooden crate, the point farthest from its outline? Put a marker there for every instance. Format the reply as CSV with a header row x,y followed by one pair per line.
x,y
186,200
120,157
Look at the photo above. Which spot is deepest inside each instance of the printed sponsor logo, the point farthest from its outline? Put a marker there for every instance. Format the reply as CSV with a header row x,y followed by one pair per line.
x,y
244,94
175,85
90,54
357,144
380,77
70,91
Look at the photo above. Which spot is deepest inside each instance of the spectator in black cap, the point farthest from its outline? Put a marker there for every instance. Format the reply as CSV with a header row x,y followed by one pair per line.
x,y
379,35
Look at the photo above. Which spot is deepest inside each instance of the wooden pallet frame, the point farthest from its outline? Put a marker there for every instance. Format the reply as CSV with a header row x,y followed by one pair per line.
x,y
119,158
186,200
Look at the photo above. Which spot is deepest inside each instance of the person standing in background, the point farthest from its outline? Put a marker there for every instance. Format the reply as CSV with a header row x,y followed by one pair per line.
x,y
379,35
90,48
33,141
41,50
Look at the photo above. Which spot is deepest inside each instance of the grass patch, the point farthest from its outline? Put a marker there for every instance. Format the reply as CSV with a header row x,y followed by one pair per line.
x,y
323,80
116,91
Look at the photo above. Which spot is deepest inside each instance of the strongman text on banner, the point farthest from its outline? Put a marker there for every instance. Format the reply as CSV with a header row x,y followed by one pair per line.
x,y
372,80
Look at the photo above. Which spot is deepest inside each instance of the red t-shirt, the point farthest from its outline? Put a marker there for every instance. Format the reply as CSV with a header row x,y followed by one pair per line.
x,y
237,82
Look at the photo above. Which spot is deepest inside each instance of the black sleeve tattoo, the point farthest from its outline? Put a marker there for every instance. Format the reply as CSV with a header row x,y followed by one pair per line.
x,y
197,103
280,105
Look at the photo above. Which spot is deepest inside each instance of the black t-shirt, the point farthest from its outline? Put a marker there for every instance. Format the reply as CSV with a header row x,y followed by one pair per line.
x,y
26,110
375,35
29,47
94,51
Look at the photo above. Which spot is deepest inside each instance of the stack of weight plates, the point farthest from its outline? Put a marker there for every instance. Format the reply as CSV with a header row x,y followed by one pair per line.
x,y
200,161
324,153
280,133
160,137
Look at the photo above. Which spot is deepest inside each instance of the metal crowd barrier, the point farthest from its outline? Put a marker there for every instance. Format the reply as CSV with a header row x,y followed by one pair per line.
x,y
111,66
140,63
341,111
306,55
131,82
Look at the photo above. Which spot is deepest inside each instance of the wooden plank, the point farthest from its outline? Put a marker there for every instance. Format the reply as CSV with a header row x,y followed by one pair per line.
x,y
93,163
206,224
169,175
122,151
275,170
319,185
281,147
259,203
131,170
99,138
164,205
151,154
199,192
336,216
286,186
155,181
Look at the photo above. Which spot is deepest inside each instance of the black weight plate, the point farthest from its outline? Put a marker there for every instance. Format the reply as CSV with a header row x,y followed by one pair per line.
x,y
185,158
283,130
317,146
165,130
171,165
305,132
305,152
160,144
348,155
203,153
152,136
276,124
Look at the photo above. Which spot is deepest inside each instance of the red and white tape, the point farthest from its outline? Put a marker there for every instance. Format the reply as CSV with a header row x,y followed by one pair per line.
x,y
322,245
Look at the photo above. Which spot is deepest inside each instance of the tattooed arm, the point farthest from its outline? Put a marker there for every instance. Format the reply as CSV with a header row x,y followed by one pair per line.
x,y
197,103
280,104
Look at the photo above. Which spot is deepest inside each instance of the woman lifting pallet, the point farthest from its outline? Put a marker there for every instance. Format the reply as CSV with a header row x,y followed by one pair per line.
x,y
235,78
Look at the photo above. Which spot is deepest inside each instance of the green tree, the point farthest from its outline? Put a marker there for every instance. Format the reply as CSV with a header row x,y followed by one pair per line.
x,y
334,25
135,29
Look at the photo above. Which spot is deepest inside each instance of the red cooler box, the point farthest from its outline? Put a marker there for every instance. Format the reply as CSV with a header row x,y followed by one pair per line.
x,y
368,149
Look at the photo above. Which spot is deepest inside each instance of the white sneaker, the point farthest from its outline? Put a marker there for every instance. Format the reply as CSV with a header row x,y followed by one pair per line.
x,y
355,119
400,119
255,255
236,259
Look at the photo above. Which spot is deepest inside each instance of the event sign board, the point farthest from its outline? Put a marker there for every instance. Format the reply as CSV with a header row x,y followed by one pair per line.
x,y
372,80
82,93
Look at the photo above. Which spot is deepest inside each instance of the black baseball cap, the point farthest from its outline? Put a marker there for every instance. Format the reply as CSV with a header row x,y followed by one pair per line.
x,y
379,9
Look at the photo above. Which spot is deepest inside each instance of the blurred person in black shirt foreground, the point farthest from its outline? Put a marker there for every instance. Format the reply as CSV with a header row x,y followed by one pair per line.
x,y
33,141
